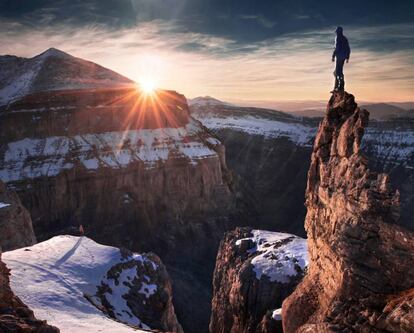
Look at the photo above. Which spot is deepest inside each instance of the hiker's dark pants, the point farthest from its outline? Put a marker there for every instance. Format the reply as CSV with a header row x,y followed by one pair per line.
x,y
339,74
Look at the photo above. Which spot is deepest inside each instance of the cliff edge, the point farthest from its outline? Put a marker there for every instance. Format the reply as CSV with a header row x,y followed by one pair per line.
x,y
361,261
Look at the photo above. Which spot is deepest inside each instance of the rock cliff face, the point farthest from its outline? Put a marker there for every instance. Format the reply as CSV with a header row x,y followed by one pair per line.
x,y
16,228
111,159
255,271
135,169
360,259
15,316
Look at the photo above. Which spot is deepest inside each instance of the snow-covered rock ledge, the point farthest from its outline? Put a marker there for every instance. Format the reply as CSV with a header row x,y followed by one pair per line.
x,y
255,271
81,286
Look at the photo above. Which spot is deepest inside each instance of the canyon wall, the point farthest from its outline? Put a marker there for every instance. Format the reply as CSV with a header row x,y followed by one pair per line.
x,y
361,260
16,228
111,160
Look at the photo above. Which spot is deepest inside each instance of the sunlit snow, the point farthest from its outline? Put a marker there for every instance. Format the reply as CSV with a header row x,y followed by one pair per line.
x,y
33,158
3,205
277,255
52,278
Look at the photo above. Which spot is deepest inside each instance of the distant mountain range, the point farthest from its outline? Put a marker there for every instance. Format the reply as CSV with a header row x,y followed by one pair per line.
x,y
205,101
378,111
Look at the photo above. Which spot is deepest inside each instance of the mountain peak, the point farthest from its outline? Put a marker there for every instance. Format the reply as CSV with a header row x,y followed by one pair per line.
x,y
206,101
53,52
52,69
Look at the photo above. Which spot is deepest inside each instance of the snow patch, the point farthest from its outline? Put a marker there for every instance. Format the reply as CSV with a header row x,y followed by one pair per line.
x,y
47,157
391,146
148,289
3,204
297,133
277,314
278,256
119,288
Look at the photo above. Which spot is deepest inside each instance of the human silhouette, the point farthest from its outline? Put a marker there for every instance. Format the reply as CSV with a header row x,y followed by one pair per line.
x,y
342,52
81,230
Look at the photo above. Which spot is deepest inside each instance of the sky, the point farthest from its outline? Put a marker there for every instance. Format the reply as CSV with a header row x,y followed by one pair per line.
x,y
244,50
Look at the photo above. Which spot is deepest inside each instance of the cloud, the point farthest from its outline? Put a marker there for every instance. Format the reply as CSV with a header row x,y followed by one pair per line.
x,y
260,19
291,66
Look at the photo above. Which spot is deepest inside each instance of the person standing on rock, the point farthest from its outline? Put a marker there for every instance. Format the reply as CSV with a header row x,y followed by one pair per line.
x,y
342,52
81,230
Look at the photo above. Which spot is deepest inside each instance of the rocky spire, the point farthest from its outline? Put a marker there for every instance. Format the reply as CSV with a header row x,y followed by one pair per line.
x,y
361,262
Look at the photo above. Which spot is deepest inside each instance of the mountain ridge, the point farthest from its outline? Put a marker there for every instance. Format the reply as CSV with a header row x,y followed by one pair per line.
x,y
52,69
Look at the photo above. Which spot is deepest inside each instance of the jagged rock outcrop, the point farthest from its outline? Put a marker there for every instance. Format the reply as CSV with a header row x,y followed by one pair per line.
x,y
255,271
15,316
16,228
360,258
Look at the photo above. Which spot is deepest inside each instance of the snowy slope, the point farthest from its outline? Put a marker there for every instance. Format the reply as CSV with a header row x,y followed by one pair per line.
x,y
390,145
52,278
296,132
277,255
51,70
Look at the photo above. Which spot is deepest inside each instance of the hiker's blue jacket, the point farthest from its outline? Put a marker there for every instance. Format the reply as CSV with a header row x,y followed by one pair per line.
x,y
342,49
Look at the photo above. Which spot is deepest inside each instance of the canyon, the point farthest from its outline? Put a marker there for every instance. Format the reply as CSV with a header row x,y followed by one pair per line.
x,y
270,151
268,139
84,146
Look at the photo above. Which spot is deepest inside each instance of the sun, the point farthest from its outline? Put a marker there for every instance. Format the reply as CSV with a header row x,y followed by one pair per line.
x,y
148,85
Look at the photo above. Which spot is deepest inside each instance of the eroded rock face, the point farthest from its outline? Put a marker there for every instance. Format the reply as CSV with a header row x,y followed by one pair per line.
x,y
16,228
360,259
255,271
15,316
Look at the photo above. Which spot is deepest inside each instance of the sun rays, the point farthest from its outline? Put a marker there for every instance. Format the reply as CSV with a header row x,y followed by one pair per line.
x,y
148,109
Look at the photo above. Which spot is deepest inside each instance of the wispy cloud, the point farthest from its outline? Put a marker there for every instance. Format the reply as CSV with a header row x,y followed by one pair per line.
x,y
291,66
